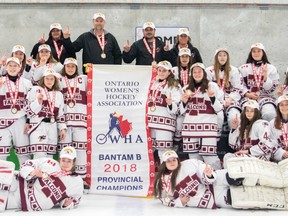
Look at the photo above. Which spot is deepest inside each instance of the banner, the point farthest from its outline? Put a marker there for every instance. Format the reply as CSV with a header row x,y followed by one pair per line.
x,y
120,156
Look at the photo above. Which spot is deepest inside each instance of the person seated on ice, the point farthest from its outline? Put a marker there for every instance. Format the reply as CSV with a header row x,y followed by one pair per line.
x,y
251,136
41,183
193,183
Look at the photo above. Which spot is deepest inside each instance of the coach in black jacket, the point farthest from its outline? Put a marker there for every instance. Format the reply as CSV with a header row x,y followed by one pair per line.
x,y
146,50
99,46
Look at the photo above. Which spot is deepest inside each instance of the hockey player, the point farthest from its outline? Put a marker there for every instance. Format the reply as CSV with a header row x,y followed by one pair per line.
x,y
18,51
182,73
56,41
279,130
74,88
13,91
229,80
193,183
42,184
45,110
44,60
260,81
251,136
201,101
163,104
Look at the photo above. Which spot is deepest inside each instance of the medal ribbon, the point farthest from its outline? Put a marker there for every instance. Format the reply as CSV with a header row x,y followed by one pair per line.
x,y
51,103
71,95
257,78
166,185
13,96
184,77
156,90
153,51
222,84
59,52
101,41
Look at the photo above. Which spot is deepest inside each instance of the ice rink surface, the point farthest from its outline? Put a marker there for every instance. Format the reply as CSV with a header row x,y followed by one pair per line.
x,y
102,205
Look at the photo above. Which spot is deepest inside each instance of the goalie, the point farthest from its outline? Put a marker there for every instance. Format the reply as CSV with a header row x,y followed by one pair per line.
x,y
249,183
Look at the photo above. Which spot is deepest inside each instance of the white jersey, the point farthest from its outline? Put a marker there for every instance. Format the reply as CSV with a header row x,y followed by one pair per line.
x,y
25,74
162,118
276,136
37,112
6,116
258,143
36,72
201,114
76,116
191,181
236,83
43,193
267,88
184,75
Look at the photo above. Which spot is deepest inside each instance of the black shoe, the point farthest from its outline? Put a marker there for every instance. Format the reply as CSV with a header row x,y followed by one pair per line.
x,y
86,187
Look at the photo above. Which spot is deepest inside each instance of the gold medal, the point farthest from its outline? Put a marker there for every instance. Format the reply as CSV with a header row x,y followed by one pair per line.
x,y
103,55
188,92
153,108
52,119
45,175
14,110
167,200
71,103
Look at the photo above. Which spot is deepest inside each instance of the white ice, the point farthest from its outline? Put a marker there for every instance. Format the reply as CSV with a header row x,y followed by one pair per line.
x,y
103,205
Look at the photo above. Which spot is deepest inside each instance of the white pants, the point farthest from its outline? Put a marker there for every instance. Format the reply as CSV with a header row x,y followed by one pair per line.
x,y
162,141
77,137
15,134
43,140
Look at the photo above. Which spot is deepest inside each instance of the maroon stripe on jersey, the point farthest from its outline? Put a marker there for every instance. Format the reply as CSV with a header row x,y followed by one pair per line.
x,y
5,171
4,167
22,195
197,106
6,101
80,96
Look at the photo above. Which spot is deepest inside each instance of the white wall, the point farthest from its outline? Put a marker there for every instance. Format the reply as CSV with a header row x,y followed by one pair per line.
x,y
235,26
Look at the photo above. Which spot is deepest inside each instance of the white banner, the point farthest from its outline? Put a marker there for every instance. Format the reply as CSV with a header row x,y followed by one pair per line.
x,y
120,156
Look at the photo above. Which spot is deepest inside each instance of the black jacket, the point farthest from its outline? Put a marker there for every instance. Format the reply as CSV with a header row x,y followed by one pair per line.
x,y
173,54
67,52
139,51
92,50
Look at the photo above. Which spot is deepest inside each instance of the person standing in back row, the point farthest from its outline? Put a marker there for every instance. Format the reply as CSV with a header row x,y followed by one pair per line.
x,y
148,50
99,46
59,50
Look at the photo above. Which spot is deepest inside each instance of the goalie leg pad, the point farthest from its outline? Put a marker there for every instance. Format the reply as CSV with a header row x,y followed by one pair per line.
x,y
258,197
255,171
